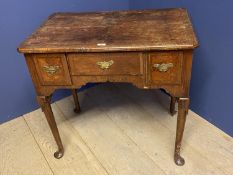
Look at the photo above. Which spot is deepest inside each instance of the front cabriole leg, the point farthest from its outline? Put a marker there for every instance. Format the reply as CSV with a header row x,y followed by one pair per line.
x,y
183,106
44,102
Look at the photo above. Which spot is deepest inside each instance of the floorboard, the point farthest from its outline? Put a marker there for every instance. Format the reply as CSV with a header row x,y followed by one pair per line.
x,y
77,160
205,138
150,135
19,152
116,152
121,130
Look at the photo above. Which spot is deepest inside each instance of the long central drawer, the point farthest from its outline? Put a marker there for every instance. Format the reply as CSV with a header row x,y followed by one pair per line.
x,y
105,63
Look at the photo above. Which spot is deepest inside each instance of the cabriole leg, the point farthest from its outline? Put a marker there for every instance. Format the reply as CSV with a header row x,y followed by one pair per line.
x,y
76,101
44,102
183,106
173,105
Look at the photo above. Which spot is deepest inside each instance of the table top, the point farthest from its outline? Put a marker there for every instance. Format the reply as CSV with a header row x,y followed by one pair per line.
x,y
141,30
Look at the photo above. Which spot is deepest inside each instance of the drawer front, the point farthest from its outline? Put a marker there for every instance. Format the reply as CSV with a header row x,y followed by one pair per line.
x,y
166,67
52,69
105,64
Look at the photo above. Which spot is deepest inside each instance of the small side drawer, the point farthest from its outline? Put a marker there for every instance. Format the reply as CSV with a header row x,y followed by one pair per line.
x,y
166,67
52,69
105,63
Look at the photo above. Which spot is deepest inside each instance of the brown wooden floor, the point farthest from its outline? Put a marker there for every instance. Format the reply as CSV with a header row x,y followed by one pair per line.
x,y
121,131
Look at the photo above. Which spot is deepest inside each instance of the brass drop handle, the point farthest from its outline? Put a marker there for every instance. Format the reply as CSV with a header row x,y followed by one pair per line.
x,y
105,64
51,69
164,67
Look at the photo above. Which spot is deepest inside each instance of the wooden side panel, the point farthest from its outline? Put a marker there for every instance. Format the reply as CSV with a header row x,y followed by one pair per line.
x,y
121,64
187,70
52,69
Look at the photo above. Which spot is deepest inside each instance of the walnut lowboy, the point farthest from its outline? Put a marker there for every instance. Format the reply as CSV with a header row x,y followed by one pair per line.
x,y
150,49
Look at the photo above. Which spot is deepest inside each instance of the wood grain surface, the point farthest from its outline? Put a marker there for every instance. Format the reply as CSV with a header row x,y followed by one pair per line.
x,y
122,64
167,29
60,77
19,151
174,74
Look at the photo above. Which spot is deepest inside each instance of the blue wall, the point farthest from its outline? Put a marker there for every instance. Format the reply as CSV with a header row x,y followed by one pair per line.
x,y
212,76
18,19
212,81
